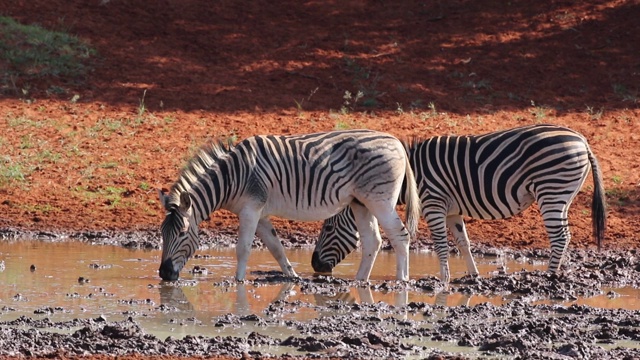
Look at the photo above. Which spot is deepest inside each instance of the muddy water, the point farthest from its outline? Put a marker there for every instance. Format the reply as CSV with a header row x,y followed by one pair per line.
x,y
62,281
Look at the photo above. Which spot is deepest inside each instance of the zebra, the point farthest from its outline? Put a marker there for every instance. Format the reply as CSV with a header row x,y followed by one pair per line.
x,y
491,176
307,177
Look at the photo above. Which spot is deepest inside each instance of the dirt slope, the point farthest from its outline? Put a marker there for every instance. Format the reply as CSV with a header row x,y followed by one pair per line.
x,y
87,153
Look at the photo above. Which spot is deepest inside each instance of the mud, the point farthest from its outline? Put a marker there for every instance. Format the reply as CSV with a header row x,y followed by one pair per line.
x,y
517,329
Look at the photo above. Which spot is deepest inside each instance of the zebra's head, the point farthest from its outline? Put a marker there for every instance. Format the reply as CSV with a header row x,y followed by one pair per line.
x,y
179,235
338,238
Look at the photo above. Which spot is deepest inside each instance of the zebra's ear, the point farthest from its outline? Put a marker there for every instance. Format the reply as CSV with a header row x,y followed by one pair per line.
x,y
164,198
185,201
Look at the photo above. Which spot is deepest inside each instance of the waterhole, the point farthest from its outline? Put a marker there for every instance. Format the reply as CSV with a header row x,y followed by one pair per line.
x,y
63,281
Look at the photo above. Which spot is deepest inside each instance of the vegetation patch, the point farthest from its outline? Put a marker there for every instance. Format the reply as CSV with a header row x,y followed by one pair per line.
x,y
31,52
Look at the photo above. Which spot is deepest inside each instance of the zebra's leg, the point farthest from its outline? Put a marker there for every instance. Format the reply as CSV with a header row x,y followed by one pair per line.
x,y
248,223
441,298
556,223
554,202
365,295
456,224
268,235
285,292
370,238
435,214
242,302
401,298
398,236
554,206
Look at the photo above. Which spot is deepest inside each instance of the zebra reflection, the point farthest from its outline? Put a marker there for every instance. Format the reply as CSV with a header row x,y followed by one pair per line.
x,y
172,296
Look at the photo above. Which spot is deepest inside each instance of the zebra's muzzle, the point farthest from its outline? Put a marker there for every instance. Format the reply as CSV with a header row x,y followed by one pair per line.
x,y
320,266
167,271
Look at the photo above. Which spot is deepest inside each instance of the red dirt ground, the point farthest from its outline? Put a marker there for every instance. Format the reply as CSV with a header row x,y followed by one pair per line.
x,y
206,69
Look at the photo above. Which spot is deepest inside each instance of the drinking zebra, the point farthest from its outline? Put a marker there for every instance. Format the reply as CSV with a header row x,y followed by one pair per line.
x,y
490,176
302,177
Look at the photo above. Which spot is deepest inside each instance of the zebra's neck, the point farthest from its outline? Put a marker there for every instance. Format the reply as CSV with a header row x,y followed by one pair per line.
x,y
214,178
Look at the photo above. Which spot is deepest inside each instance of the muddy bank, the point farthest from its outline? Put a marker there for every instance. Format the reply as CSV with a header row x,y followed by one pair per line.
x,y
517,330
347,329
142,239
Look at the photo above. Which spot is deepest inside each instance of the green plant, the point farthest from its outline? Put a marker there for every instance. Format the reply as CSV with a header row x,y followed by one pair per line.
x,y
87,172
350,101
141,106
144,186
625,94
231,137
104,127
416,105
31,51
109,165
22,121
12,171
451,122
299,104
109,195
40,208
618,195
539,112
47,155
74,150
617,179
432,113
25,142
365,81
112,125
343,125
595,114
56,90
134,159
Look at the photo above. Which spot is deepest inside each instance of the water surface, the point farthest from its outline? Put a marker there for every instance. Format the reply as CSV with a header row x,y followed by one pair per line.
x,y
77,280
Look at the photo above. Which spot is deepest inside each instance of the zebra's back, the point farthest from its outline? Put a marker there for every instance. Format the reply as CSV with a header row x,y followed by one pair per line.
x,y
318,172
496,175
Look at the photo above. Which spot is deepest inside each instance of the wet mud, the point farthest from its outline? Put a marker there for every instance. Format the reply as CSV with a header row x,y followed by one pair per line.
x,y
516,329
519,328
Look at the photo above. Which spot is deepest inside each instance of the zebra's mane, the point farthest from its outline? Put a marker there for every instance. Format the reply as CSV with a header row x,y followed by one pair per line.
x,y
208,154
410,144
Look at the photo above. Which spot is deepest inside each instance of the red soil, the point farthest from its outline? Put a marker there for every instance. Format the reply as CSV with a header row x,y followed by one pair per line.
x,y
206,69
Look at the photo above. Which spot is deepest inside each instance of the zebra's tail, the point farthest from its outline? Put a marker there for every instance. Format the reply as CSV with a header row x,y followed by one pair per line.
x,y
598,204
412,200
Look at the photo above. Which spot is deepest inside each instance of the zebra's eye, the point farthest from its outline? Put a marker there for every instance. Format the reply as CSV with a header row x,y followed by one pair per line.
x,y
329,228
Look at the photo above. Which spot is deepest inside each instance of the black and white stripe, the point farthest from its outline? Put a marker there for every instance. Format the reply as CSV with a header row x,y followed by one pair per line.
x,y
302,177
490,176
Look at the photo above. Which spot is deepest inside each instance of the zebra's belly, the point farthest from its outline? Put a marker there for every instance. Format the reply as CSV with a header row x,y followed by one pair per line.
x,y
303,213
497,211
317,214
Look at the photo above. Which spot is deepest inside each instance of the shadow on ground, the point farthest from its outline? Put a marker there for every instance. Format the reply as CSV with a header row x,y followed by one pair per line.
x,y
463,56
